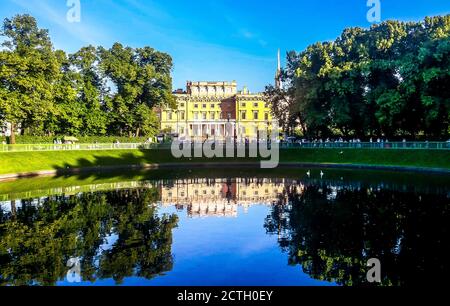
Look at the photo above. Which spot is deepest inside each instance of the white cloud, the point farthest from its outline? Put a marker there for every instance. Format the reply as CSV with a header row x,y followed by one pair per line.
x,y
246,33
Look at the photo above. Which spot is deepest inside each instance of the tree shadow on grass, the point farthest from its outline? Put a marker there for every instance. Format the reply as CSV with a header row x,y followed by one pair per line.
x,y
129,165
125,166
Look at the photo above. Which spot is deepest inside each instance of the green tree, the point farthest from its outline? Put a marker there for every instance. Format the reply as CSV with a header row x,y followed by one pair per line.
x,y
142,78
28,67
93,95
386,81
66,119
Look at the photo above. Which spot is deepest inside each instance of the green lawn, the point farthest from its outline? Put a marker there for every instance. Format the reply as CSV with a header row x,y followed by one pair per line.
x,y
20,162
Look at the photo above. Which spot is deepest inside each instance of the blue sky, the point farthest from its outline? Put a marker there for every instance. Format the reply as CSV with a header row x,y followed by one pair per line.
x,y
213,39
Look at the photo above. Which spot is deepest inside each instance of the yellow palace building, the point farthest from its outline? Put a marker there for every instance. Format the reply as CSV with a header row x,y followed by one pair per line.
x,y
205,109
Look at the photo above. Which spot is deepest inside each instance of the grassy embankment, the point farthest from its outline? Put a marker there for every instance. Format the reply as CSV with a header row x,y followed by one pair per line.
x,y
21,162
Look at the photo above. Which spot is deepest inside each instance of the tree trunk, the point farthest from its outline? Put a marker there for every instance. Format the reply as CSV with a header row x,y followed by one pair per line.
x,y
12,138
13,209
138,131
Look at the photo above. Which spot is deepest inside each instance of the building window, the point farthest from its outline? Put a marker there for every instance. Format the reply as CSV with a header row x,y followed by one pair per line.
x,y
181,104
169,116
195,105
266,116
204,116
213,116
181,130
244,115
195,116
256,104
182,116
243,104
204,105
255,115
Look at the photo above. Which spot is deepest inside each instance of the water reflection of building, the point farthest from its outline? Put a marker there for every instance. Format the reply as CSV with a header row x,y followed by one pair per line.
x,y
221,197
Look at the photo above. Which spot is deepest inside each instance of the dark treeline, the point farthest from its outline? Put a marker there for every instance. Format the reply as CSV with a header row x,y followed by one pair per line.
x,y
390,80
94,92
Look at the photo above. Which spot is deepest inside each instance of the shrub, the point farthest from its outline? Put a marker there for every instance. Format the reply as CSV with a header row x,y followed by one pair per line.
x,y
82,139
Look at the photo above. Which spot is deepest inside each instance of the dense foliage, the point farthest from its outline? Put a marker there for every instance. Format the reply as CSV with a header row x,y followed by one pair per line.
x,y
81,139
95,92
387,81
332,231
115,235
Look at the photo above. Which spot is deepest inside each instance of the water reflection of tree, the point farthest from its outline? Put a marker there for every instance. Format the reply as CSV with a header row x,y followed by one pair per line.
x,y
332,233
37,242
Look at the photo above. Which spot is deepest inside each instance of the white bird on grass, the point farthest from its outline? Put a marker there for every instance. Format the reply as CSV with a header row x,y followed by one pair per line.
x,y
308,173
321,174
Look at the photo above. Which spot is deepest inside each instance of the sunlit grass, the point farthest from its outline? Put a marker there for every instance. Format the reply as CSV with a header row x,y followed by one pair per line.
x,y
22,162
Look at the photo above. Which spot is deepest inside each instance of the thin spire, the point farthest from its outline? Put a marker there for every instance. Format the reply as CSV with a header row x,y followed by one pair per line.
x,y
279,61
278,82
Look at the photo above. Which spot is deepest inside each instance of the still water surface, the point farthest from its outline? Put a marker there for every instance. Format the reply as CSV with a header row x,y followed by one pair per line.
x,y
225,229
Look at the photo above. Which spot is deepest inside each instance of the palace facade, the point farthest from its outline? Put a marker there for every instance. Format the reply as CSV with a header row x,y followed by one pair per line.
x,y
205,108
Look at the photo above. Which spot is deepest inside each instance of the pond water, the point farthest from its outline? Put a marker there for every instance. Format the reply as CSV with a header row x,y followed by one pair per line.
x,y
239,227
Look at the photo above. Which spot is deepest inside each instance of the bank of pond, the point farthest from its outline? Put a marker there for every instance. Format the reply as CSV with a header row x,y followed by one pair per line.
x,y
31,163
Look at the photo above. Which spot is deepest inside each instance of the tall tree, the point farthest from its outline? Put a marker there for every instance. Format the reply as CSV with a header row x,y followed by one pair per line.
x,y
142,78
386,81
93,95
66,119
27,69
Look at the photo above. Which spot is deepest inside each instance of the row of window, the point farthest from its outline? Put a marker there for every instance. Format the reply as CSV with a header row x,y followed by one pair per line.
x,y
182,105
182,130
212,116
171,117
204,116
255,116
212,105
197,116
243,104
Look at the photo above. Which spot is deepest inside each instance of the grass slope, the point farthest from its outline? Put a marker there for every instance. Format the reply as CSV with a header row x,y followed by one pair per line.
x,y
19,162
